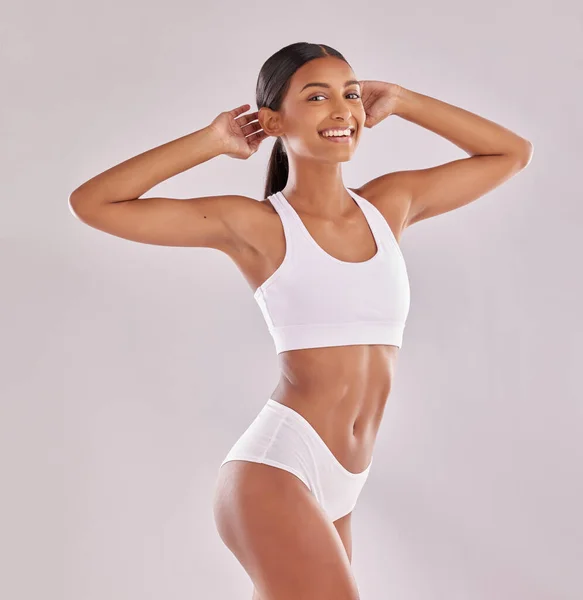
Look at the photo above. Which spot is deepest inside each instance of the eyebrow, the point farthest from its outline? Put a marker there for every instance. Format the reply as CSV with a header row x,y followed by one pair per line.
x,y
327,85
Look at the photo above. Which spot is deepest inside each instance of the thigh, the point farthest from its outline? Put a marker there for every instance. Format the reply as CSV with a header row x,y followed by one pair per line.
x,y
280,535
344,529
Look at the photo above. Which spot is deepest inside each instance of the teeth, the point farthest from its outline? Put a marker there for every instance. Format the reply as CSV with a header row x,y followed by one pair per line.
x,y
339,133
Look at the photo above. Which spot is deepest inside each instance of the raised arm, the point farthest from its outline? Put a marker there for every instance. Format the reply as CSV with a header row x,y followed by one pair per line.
x,y
111,200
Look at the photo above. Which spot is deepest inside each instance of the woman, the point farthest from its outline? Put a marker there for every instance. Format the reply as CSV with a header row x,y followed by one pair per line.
x,y
328,274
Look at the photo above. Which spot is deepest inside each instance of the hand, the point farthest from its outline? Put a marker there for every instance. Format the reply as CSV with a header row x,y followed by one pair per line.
x,y
239,136
379,99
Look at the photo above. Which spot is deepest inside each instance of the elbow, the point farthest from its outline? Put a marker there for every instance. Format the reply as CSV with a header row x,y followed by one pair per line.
x,y
74,201
80,205
527,153
523,154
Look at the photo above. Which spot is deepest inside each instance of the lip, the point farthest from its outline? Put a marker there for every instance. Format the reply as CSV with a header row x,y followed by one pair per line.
x,y
338,140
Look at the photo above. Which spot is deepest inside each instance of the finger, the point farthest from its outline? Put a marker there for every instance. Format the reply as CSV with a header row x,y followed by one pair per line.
x,y
246,119
253,115
240,110
251,127
256,137
257,133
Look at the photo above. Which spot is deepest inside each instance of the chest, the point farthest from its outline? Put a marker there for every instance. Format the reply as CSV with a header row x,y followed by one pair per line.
x,y
349,240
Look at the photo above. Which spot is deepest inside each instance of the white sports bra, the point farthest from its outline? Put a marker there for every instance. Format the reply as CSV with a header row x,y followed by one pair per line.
x,y
315,300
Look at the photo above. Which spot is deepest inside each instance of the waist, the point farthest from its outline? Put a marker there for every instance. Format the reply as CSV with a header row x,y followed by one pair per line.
x,y
338,371
343,400
347,426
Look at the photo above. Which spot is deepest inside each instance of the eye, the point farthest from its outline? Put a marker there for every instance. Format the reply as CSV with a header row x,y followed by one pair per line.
x,y
320,95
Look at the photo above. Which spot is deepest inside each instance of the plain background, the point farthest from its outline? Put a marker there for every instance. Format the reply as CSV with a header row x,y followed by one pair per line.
x,y
128,370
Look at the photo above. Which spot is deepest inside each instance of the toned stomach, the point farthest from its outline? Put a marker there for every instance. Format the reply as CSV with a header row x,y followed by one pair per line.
x,y
342,392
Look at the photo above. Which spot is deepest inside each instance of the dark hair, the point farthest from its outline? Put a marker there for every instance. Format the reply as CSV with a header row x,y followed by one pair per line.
x,y
272,84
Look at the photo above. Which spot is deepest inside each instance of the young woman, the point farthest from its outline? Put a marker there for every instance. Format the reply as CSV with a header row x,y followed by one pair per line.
x,y
327,272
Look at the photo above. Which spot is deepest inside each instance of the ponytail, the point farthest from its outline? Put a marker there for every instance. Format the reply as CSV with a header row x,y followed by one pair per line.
x,y
277,169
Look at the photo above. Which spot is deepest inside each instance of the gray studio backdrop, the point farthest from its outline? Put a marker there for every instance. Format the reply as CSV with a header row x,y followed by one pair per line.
x,y
128,370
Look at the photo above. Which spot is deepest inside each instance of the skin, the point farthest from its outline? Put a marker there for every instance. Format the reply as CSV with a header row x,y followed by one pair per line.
x,y
341,390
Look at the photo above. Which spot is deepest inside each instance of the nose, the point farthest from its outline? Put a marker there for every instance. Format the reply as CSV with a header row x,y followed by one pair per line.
x,y
342,115
341,111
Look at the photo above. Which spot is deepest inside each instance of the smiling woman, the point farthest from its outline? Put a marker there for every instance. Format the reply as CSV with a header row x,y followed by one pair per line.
x,y
329,276
297,471
310,80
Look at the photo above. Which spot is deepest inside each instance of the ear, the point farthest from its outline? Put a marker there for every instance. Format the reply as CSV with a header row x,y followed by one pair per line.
x,y
269,121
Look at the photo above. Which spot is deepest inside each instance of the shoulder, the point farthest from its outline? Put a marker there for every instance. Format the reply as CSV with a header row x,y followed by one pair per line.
x,y
390,194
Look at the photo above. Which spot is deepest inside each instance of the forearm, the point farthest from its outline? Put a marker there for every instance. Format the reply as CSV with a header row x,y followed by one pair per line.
x,y
135,176
470,132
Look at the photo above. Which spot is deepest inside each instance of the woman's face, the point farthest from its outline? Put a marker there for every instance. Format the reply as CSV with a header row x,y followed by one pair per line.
x,y
334,102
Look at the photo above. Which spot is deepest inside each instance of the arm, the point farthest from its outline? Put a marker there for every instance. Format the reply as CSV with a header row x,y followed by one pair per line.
x,y
496,155
110,201
135,176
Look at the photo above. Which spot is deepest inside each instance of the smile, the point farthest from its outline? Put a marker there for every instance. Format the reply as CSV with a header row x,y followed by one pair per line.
x,y
339,139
